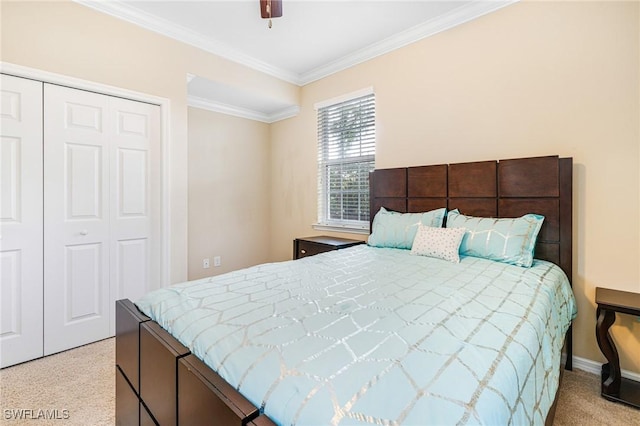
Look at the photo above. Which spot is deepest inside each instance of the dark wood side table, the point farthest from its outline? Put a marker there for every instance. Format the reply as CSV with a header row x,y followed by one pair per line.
x,y
614,386
308,246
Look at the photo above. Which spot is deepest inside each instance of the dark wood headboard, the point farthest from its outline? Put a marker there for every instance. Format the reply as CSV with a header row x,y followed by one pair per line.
x,y
504,188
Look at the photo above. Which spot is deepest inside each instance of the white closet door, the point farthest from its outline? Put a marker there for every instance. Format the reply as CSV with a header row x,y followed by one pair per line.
x,y
135,200
76,218
20,220
102,211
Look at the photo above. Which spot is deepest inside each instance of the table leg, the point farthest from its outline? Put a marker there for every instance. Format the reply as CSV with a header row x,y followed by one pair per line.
x,y
611,371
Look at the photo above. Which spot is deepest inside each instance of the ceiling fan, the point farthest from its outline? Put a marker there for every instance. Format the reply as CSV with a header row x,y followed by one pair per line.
x,y
270,9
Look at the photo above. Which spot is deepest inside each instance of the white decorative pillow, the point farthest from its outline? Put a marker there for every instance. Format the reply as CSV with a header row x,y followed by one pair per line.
x,y
441,243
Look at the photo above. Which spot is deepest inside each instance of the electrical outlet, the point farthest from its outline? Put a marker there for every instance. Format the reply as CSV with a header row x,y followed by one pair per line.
x,y
217,261
205,263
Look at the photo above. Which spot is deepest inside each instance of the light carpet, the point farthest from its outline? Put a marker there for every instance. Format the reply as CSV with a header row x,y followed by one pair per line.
x,y
78,387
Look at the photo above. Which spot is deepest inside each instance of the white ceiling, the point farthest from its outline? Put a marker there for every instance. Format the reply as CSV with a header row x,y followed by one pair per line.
x,y
313,38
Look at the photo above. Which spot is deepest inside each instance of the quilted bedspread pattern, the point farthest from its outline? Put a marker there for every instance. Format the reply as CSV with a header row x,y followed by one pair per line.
x,y
378,336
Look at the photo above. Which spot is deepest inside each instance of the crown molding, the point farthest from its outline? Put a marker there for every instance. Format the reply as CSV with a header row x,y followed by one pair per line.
x,y
169,29
288,112
196,102
458,16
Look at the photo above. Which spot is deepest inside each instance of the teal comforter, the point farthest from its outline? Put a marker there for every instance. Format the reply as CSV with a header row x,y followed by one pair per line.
x,y
378,336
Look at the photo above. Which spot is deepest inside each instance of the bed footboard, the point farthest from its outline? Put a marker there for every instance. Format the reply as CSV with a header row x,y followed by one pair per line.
x,y
128,320
209,396
127,401
158,381
159,356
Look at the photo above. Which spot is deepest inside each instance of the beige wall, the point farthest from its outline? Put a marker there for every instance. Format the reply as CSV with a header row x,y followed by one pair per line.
x,y
73,40
229,199
531,79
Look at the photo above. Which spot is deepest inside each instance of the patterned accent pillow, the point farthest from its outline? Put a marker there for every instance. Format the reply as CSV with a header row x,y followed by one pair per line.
x,y
441,243
397,230
507,240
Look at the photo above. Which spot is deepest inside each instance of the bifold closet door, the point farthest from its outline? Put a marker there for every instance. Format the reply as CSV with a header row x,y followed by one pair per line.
x,y
135,201
76,219
20,220
101,211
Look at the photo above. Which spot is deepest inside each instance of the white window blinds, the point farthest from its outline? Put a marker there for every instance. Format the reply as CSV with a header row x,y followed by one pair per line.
x,y
346,155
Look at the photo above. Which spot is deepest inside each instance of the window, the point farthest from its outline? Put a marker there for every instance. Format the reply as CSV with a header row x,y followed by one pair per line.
x,y
346,155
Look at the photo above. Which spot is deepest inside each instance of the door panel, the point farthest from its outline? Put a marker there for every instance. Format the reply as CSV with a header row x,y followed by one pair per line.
x,y
83,282
83,116
129,276
10,173
83,181
132,183
10,262
76,221
20,220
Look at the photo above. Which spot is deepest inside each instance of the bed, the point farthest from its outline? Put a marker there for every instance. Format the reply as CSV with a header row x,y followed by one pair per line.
x,y
368,335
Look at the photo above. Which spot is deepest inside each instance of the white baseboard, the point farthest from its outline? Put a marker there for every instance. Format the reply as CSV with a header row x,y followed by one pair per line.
x,y
595,367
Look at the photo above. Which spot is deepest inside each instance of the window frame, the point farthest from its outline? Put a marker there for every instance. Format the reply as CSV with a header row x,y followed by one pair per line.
x,y
323,196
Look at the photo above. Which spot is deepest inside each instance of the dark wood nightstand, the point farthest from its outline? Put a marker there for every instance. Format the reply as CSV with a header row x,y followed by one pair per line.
x,y
614,386
308,246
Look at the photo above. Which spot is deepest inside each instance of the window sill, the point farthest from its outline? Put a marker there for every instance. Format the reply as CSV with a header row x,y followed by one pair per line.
x,y
341,228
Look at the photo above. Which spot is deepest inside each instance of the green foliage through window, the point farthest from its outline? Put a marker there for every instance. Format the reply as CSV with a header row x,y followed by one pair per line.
x,y
346,155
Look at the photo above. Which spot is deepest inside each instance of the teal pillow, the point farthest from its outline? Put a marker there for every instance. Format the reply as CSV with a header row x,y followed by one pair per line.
x,y
504,240
398,230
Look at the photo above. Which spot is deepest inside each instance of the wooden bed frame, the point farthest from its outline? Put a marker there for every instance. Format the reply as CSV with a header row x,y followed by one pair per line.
x,y
158,380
